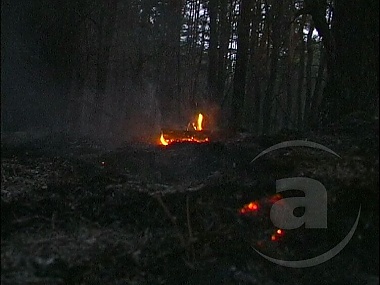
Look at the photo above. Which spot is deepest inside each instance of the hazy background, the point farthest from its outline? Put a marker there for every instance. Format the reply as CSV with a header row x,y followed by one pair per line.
x,y
127,68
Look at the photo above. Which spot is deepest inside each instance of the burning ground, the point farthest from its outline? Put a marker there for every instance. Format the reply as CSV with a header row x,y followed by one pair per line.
x,y
76,213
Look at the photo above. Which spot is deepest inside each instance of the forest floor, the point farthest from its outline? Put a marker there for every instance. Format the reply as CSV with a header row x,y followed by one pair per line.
x,y
73,212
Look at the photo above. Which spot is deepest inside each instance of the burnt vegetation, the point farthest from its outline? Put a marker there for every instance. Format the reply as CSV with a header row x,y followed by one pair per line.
x,y
77,213
89,194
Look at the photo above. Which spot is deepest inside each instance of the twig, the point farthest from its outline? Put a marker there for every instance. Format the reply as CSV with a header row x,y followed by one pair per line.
x,y
171,218
188,218
189,227
51,239
53,220
28,219
35,280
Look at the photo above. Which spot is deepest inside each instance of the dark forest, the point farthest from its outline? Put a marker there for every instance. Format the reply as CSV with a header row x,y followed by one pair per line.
x,y
123,68
91,194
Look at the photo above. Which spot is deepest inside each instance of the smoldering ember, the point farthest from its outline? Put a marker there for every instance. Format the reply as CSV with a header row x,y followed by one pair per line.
x,y
190,142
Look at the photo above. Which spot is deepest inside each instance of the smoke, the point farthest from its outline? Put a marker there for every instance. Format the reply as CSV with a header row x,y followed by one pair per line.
x,y
143,115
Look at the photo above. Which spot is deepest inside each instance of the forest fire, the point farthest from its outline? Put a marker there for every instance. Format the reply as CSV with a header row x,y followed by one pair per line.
x,y
194,133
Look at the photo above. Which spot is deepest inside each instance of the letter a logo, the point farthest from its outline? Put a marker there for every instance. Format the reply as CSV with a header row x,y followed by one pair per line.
x,y
314,202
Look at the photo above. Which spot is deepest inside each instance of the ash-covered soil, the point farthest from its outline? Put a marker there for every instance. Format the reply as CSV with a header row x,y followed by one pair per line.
x,y
73,212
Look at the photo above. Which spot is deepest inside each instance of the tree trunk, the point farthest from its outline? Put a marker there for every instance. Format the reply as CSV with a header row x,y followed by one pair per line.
x,y
170,82
301,74
289,78
353,86
254,87
309,66
236,121
269,94
223,49
351,57
318,91
213,49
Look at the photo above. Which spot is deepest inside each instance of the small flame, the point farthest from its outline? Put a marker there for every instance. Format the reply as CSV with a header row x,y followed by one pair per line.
x,y
199,122
174,136
162,140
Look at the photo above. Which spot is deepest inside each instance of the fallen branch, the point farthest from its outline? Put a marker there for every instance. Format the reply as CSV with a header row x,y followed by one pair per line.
x,y
190,231
171,218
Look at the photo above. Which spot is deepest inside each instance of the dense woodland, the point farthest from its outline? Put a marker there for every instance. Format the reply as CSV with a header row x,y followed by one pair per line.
x,y
127,68
83,201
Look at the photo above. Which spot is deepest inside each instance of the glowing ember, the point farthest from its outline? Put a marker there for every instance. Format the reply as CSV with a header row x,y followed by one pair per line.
x,y
252,206
257,210
277,235
275,198
249,208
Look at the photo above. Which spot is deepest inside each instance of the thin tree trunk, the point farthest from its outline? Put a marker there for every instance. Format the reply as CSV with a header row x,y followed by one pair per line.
x,y
289,78
269,94
239,84
331,105
309,65
301,75
318,90
223,50
170,101
195,67
255,88
213,49
199,64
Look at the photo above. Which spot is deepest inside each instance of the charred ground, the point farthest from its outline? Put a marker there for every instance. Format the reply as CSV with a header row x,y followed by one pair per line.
x,y
74,212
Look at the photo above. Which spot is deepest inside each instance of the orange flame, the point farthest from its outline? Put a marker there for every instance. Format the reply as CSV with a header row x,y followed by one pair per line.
x,y
199,122
174,136
198,125
162,140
